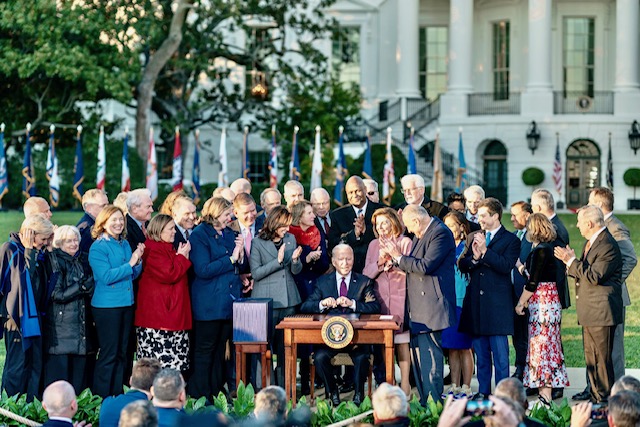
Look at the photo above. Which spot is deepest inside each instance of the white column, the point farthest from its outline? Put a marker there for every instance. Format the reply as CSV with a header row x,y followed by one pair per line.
x,y
407,48
627,46
460,46
539,79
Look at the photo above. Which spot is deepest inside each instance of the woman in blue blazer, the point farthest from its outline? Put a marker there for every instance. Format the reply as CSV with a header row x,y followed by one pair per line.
x,y
216,252
114,268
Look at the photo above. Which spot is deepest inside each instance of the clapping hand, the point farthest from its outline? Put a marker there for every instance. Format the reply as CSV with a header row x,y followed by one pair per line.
x,y
238,250
296,254
564,254
136,255
390,247
359,226
314,256
281,254
184,249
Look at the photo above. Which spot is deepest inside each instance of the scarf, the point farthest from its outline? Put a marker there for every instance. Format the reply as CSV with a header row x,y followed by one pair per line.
x,y
310,238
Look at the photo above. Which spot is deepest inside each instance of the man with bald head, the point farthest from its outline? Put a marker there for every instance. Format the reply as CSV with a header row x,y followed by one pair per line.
x,y
351,224
59,400
240,185
36,205
321,204
293,191
224,192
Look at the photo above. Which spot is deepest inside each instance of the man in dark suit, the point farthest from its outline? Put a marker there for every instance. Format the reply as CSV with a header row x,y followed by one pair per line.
x,y
321,204
144,372
431,294
487,311
140,208
92,203
184,215
413,191
342,292
473,195
59,400
269,199
351,224
598,275
248,224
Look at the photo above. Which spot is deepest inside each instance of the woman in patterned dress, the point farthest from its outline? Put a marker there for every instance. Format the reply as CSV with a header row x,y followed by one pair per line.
x,y
163,314
545,361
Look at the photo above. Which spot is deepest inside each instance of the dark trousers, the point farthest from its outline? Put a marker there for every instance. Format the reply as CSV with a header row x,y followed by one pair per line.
x,y
488,348
521,339
69,367
428,365
277,342
113,326
209,345
598,347
22,369
360,356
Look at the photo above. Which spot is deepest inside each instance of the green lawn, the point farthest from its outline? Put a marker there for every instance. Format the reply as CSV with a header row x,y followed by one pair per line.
x,y
571,332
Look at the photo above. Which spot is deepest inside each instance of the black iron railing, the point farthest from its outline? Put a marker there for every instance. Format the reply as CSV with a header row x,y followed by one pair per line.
x,y
580,103
490,104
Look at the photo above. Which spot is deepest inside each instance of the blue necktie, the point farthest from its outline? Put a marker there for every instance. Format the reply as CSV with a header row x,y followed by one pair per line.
x,y
488,237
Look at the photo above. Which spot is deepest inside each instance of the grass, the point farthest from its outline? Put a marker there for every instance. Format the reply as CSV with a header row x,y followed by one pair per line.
x,y
571,331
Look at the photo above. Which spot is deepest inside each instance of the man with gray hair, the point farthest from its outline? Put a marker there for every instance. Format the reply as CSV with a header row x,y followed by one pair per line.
x,y
473,195
372,190
321,204
240,185
269,199
140,208
413,190
597,275
271,406
140,413
169,396
36,205
92,203
293,191
59,400
390,406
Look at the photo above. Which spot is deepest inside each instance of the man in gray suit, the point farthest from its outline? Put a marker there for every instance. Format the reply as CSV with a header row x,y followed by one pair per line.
x,y
431,298
602,197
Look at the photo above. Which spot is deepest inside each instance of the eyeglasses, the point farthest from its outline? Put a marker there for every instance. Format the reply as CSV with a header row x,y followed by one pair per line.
x,y
371,193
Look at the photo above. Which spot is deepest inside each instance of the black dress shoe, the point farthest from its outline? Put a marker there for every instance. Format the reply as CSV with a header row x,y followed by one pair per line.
x,y
519,374
583,395
557,393
305,390
335,398
346,387
481,396
357,399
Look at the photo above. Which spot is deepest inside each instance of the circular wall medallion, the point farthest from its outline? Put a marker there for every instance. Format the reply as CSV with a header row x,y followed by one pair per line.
x,y
337,332
584,103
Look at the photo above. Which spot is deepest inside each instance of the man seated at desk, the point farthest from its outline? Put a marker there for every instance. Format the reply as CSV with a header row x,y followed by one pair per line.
x,y
342,292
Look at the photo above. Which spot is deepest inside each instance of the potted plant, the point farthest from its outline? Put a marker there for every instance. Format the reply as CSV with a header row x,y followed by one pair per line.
x,y
532,176
631,177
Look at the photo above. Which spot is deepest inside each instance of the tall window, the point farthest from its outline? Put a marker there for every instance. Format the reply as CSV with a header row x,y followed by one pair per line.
x,y
259,166
578,56
433,61
345,54
501,60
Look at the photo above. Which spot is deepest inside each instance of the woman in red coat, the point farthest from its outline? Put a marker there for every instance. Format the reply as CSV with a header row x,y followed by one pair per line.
x,y
163,315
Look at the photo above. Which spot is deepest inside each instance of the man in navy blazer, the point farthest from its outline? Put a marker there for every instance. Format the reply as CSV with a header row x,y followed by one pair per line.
x,y
342,292
431,294
59,400
488,307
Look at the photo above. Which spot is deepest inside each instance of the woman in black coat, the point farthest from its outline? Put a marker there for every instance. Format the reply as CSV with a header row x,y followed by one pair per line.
x,y
68,338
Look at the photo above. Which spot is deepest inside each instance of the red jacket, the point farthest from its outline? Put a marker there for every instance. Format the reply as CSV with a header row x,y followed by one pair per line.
x,y
163,296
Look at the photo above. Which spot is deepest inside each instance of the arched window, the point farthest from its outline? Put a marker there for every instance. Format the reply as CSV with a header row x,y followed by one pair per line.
x,y
495,171
583,171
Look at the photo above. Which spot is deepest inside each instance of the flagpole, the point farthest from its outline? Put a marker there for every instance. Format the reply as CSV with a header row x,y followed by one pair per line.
x,y
4,182
273,160
245,153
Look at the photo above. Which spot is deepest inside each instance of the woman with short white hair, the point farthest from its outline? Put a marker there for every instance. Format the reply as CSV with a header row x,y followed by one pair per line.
x,y
68,339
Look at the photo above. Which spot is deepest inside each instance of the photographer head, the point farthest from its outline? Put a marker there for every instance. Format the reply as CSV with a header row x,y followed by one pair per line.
x,y
168,389
143,373
59,400
624,409
626,382
271,405
389,403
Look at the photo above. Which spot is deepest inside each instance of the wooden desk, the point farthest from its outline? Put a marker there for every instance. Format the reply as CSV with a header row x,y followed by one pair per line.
x,y
306,329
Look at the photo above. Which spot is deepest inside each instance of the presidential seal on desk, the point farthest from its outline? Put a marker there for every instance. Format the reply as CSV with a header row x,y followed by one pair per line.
x,y
337,332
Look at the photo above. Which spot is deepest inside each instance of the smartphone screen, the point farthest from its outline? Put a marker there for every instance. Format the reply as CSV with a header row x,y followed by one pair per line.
x,y
479,408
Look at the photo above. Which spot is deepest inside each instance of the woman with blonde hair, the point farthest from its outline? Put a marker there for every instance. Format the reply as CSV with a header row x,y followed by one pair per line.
x,y
163,312
114,269
216,255
545,360
390,286
24,273
69,338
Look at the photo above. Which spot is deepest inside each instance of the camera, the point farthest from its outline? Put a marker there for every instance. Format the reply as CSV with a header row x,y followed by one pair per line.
x,y
599,411
479,408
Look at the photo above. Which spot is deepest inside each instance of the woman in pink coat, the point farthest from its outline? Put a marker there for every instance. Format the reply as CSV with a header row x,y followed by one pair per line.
x,y
390,287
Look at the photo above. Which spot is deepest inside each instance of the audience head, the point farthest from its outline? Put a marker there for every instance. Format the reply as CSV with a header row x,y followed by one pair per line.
x,y
590,220
513,389
112,221
36,205
413,189
602,197
121,201
217,212
67,238
167,206
161,228
184,212
143,373
540,229
415,218
389,402
93,201
224,192
240,185
372,190
302,214
520,212
489,213
293,191
41,227
624,409
473,196
59,400
342,258
542,201
458,225
356,193
139,413
276,224
168,389
457,202
269,199
244,208
321,202
139,204
386,223
626,382
271,405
